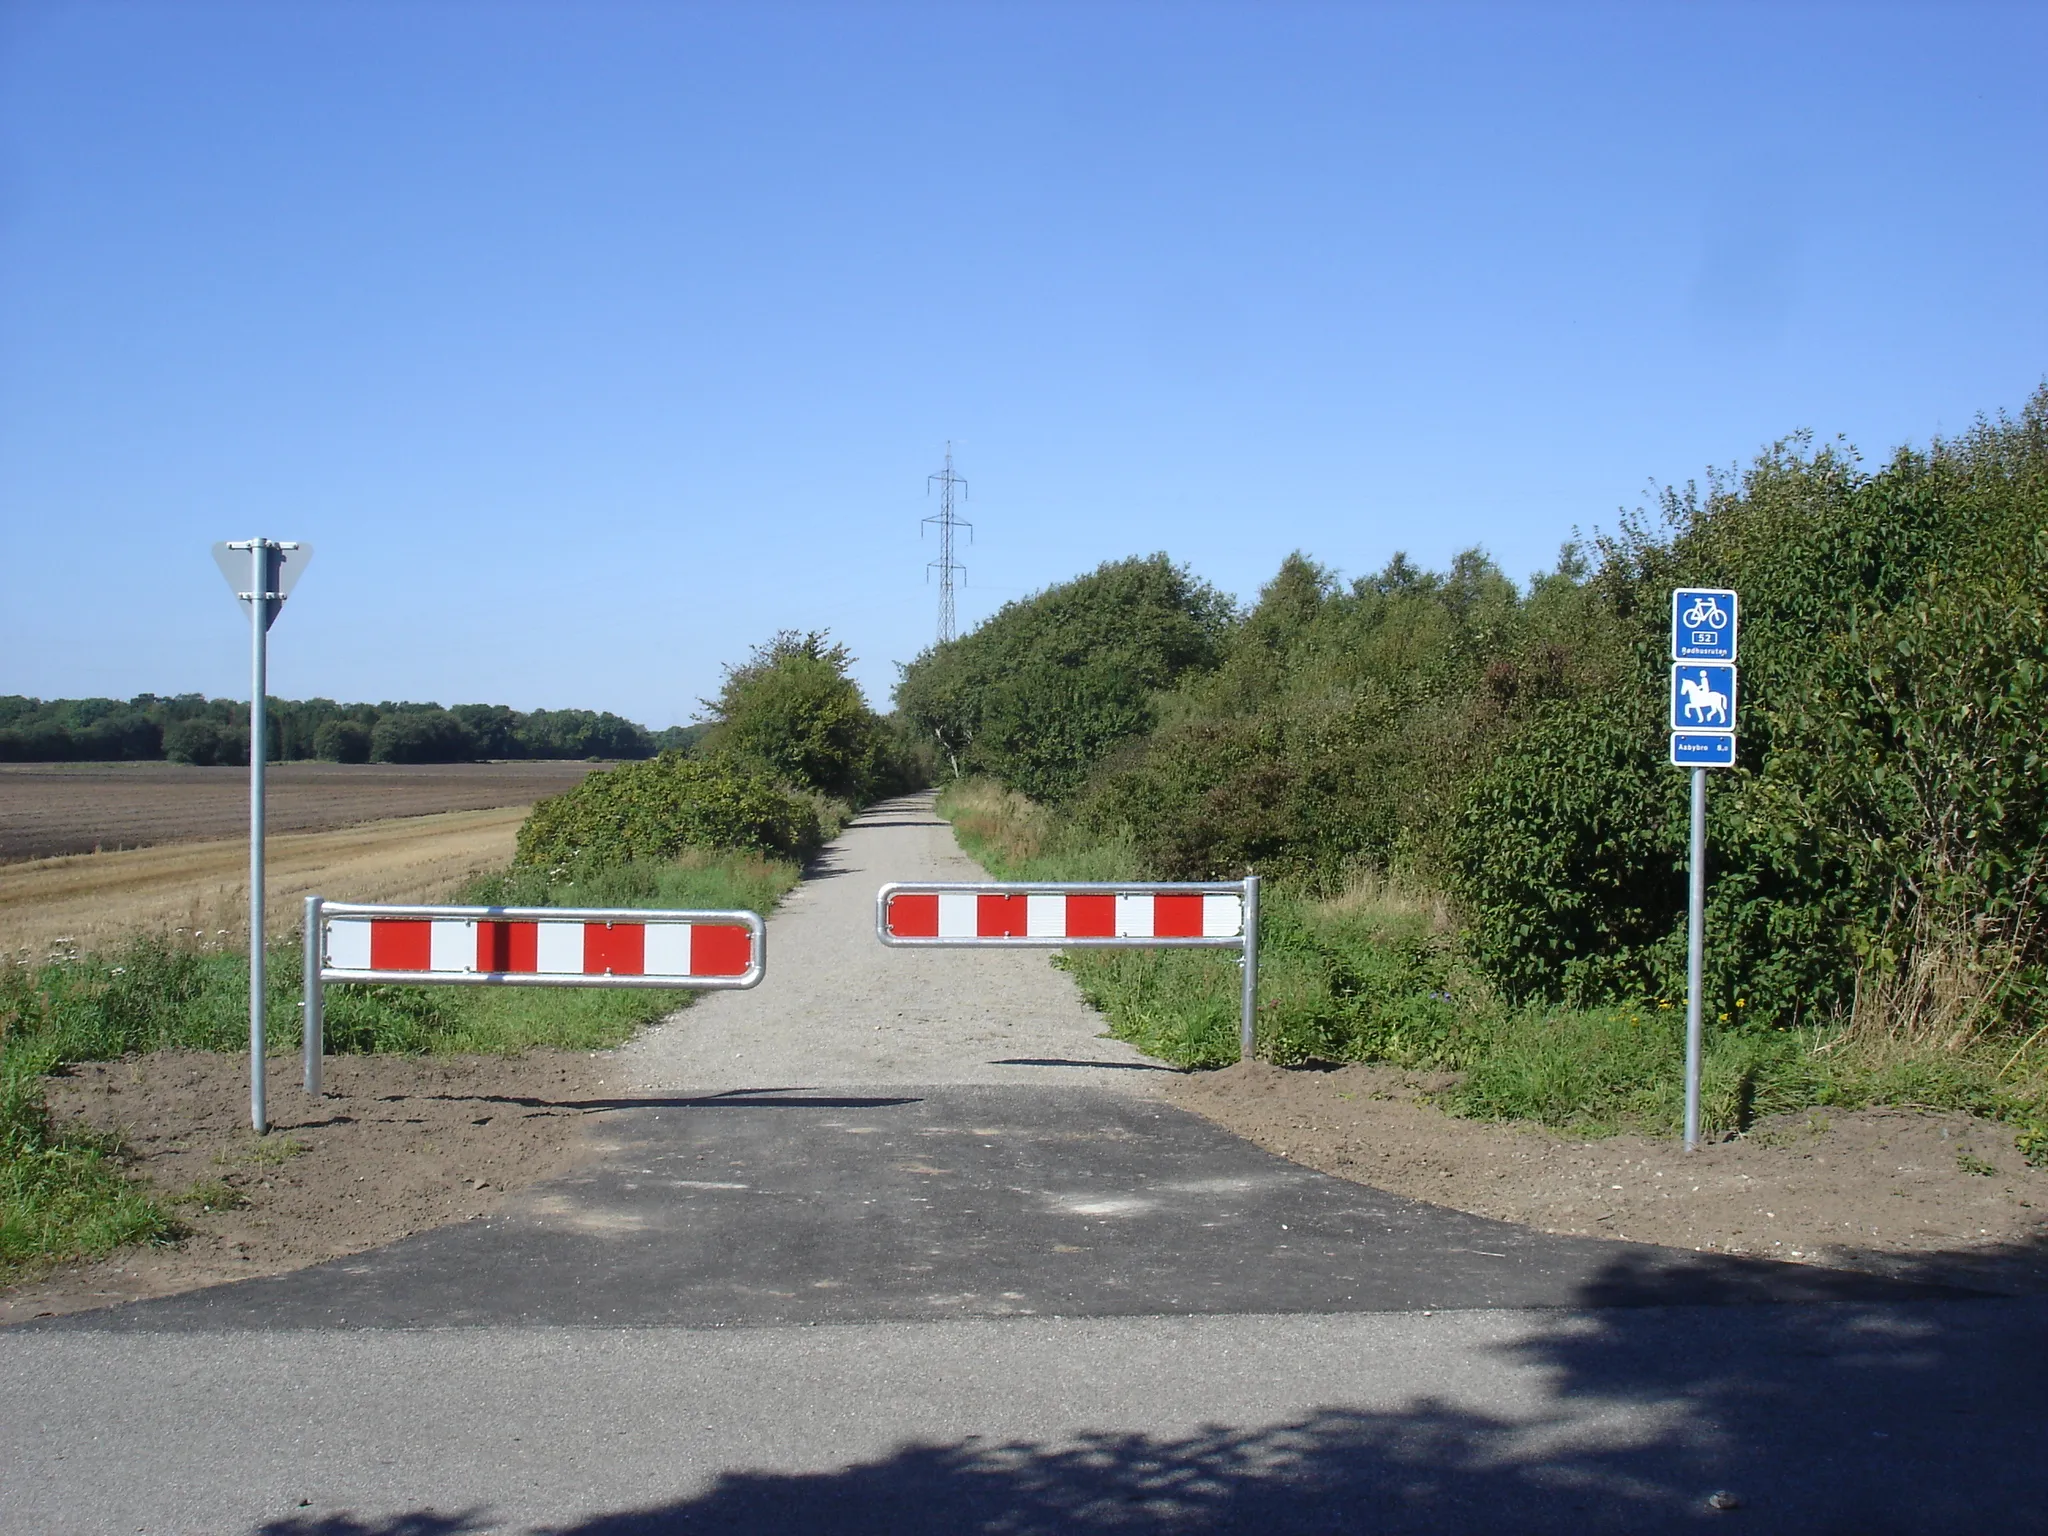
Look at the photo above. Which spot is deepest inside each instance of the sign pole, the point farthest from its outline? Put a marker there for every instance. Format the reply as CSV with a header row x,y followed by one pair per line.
x,y
315,1030
1705,625
1248,1020
259,614
1695,957
272,568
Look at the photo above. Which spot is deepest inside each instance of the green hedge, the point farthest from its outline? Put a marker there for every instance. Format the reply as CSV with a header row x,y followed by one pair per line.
x,y
655,809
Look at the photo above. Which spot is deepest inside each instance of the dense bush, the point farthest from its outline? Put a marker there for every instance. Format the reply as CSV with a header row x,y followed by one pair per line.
x,y
1341,723
656,809
1880,847
791,712
1043,691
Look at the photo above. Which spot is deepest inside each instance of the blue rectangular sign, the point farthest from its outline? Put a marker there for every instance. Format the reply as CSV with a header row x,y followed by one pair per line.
x,y
1702,697
1702,749
1703,624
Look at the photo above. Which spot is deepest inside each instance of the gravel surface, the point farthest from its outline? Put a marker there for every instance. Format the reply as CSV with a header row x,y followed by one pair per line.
x,y
841,1010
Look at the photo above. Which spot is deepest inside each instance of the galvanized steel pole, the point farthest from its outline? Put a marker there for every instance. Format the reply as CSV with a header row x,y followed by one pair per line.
x,y
315,1033
259,616
1247,1027
1695,950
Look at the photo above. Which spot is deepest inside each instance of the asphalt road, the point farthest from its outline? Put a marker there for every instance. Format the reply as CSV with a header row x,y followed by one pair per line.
x,y
898,1243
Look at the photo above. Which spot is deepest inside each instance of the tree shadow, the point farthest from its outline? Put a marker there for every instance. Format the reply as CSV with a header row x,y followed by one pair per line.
x,y
1916,1417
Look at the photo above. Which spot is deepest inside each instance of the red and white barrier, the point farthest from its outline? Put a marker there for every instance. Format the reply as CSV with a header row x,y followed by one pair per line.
x,y
1036,915
546,949
523,946
1064,915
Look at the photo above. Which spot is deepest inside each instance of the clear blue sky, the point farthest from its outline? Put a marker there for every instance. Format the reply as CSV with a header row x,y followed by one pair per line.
x,y
591,343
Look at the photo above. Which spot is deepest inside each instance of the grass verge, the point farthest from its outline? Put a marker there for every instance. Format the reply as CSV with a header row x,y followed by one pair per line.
x,y
62,1192
1377,974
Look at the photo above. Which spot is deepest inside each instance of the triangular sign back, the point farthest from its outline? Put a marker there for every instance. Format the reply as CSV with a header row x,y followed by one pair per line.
x,y
285,568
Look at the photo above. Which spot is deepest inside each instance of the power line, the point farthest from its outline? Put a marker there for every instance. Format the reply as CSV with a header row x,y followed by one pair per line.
x,y
947,521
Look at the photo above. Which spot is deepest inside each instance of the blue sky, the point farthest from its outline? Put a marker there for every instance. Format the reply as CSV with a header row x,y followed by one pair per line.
x,y
590,344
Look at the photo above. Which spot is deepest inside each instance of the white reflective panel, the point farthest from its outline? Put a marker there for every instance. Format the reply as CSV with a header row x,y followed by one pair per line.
x,y
559,948
1045,915
348,943
956,914
667,950
1222,916
1134,914
453,945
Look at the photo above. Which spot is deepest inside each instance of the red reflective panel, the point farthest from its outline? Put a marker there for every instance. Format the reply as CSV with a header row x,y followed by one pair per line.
x,y
614,949
507,947
720,949
1000,917
914,917
1092,916
1176,917
401,944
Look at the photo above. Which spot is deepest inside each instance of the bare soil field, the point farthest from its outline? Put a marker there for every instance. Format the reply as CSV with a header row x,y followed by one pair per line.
x,y
398,1145
95,900
1933,1196
48,809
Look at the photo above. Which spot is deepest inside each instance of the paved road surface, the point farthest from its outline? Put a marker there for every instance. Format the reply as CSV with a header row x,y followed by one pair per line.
x,y
898,1243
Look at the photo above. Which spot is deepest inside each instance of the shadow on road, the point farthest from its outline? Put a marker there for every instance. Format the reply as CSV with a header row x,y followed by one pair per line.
x,y
1918,1418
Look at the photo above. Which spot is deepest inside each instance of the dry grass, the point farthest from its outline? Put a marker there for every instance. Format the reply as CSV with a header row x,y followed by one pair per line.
x,y
1011,828
1384,902
1945,991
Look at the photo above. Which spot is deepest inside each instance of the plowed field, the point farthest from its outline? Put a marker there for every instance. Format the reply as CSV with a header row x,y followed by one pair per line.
x,y
48,809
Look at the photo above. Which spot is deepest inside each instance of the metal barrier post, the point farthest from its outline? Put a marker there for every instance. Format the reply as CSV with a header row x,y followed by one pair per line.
x,y
315,1033
1247,1028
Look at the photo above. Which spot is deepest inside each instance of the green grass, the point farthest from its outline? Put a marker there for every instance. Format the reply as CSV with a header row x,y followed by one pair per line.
x,y
62,1192
158,994
1377,974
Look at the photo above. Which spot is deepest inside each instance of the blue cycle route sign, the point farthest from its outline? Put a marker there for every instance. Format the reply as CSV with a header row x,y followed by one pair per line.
x,y
1703,623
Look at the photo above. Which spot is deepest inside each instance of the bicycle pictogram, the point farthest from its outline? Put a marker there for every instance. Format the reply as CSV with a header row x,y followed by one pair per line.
x,y
1705,613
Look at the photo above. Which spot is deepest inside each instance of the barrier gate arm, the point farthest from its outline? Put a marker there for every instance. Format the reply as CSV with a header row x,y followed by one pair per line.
x,y
320,971
1245,941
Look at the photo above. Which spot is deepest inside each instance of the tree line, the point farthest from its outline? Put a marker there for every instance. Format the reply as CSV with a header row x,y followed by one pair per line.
x,y
1877,853
190,728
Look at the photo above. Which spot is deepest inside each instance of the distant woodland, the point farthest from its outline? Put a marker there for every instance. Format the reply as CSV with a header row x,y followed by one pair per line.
x,y
190,728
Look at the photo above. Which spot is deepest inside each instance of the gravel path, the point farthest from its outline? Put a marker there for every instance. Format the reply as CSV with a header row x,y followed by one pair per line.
x,y
839,1009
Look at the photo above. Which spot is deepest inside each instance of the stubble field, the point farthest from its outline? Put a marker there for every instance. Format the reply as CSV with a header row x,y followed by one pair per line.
x,y
90,853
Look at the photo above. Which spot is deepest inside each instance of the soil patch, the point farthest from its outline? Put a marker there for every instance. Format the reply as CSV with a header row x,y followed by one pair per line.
x,y
399,1144
1921,1194
47,809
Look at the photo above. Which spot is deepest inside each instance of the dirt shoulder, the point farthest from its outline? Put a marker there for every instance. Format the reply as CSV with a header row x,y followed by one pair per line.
x,y
1936,1196
399,1145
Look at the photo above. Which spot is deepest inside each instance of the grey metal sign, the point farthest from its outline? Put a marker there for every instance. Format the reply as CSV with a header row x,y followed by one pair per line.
x,y
284,564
